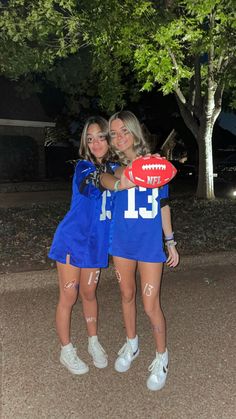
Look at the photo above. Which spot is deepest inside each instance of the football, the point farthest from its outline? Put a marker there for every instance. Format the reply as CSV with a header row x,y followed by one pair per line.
x,y
150,171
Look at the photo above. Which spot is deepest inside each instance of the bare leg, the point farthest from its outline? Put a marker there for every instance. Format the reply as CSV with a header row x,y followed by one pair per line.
x,y
151,274
88,284
68,287
126,269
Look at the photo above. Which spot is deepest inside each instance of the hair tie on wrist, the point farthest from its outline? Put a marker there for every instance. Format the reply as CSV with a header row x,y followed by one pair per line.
x,y
116,185
170,237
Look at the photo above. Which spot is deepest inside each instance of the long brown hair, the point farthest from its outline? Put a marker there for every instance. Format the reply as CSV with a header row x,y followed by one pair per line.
x,y
84,150
132,124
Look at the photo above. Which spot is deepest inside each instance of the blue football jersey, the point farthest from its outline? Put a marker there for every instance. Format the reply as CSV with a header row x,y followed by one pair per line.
x,y
136,228
83,234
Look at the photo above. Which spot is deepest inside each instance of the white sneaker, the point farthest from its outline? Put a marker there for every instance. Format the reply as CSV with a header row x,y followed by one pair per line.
x,y
71,361
159,369
97,352
126,356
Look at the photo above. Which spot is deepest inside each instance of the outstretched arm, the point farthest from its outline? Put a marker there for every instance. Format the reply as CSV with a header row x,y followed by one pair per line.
x,y
116,182
87,177
109,181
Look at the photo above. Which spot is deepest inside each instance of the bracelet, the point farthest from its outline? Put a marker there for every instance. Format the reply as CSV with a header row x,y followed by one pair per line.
x,y
116,185
171,243
171,237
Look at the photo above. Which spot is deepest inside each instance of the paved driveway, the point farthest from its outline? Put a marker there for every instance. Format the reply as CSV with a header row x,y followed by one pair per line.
x,y
199,303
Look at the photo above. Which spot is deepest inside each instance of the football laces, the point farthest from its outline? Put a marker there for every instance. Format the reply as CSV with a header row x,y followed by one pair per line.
x,y
155,166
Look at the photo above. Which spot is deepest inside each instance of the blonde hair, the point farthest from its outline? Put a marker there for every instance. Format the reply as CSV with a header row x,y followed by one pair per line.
x,y
84,150
132,124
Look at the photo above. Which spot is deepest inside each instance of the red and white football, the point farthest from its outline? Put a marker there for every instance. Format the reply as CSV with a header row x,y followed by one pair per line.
x,y
150,171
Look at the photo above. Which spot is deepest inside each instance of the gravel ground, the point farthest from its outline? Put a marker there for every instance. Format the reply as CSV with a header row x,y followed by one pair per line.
x,y
26,233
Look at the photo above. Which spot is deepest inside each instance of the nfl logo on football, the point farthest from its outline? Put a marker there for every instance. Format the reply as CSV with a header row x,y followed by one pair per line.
x,y
153,180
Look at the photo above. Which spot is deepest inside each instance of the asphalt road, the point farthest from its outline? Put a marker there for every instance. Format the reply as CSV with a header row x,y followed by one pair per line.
x,y
198,299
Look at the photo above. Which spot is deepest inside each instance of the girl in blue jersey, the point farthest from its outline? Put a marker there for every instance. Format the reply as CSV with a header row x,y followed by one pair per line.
x,y
80,244
139,219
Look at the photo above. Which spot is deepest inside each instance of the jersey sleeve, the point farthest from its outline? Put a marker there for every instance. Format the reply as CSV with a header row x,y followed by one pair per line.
x,y
86,179
164,192
112,167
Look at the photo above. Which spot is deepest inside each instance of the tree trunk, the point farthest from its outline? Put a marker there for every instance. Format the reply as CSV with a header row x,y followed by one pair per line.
x,y
205,188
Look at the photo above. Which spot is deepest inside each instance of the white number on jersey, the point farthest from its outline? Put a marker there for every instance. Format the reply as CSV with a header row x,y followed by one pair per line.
x,y
105,214
131,212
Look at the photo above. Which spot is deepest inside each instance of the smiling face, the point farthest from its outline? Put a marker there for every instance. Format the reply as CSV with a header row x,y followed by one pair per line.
x,y
122,138
97,142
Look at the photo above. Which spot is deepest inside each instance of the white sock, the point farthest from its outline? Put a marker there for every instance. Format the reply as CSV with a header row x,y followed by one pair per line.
x,y
163,355
92,338
134,343
67,347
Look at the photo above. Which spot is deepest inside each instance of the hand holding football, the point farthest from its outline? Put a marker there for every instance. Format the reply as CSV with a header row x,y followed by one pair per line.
x,y
150,171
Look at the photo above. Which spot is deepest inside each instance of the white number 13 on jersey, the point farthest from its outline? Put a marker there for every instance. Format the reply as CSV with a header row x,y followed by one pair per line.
x,y
143,212
105,213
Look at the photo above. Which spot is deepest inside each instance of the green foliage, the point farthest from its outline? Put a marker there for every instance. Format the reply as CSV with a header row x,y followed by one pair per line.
x,y
34,34
160,45
143,39
116,48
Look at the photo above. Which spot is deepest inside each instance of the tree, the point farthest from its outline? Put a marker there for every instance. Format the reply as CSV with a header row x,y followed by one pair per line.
x,y
182,46
185,47
33,35
44,38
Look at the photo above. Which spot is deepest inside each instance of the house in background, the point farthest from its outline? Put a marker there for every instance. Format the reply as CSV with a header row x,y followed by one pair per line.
x,y
22,135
